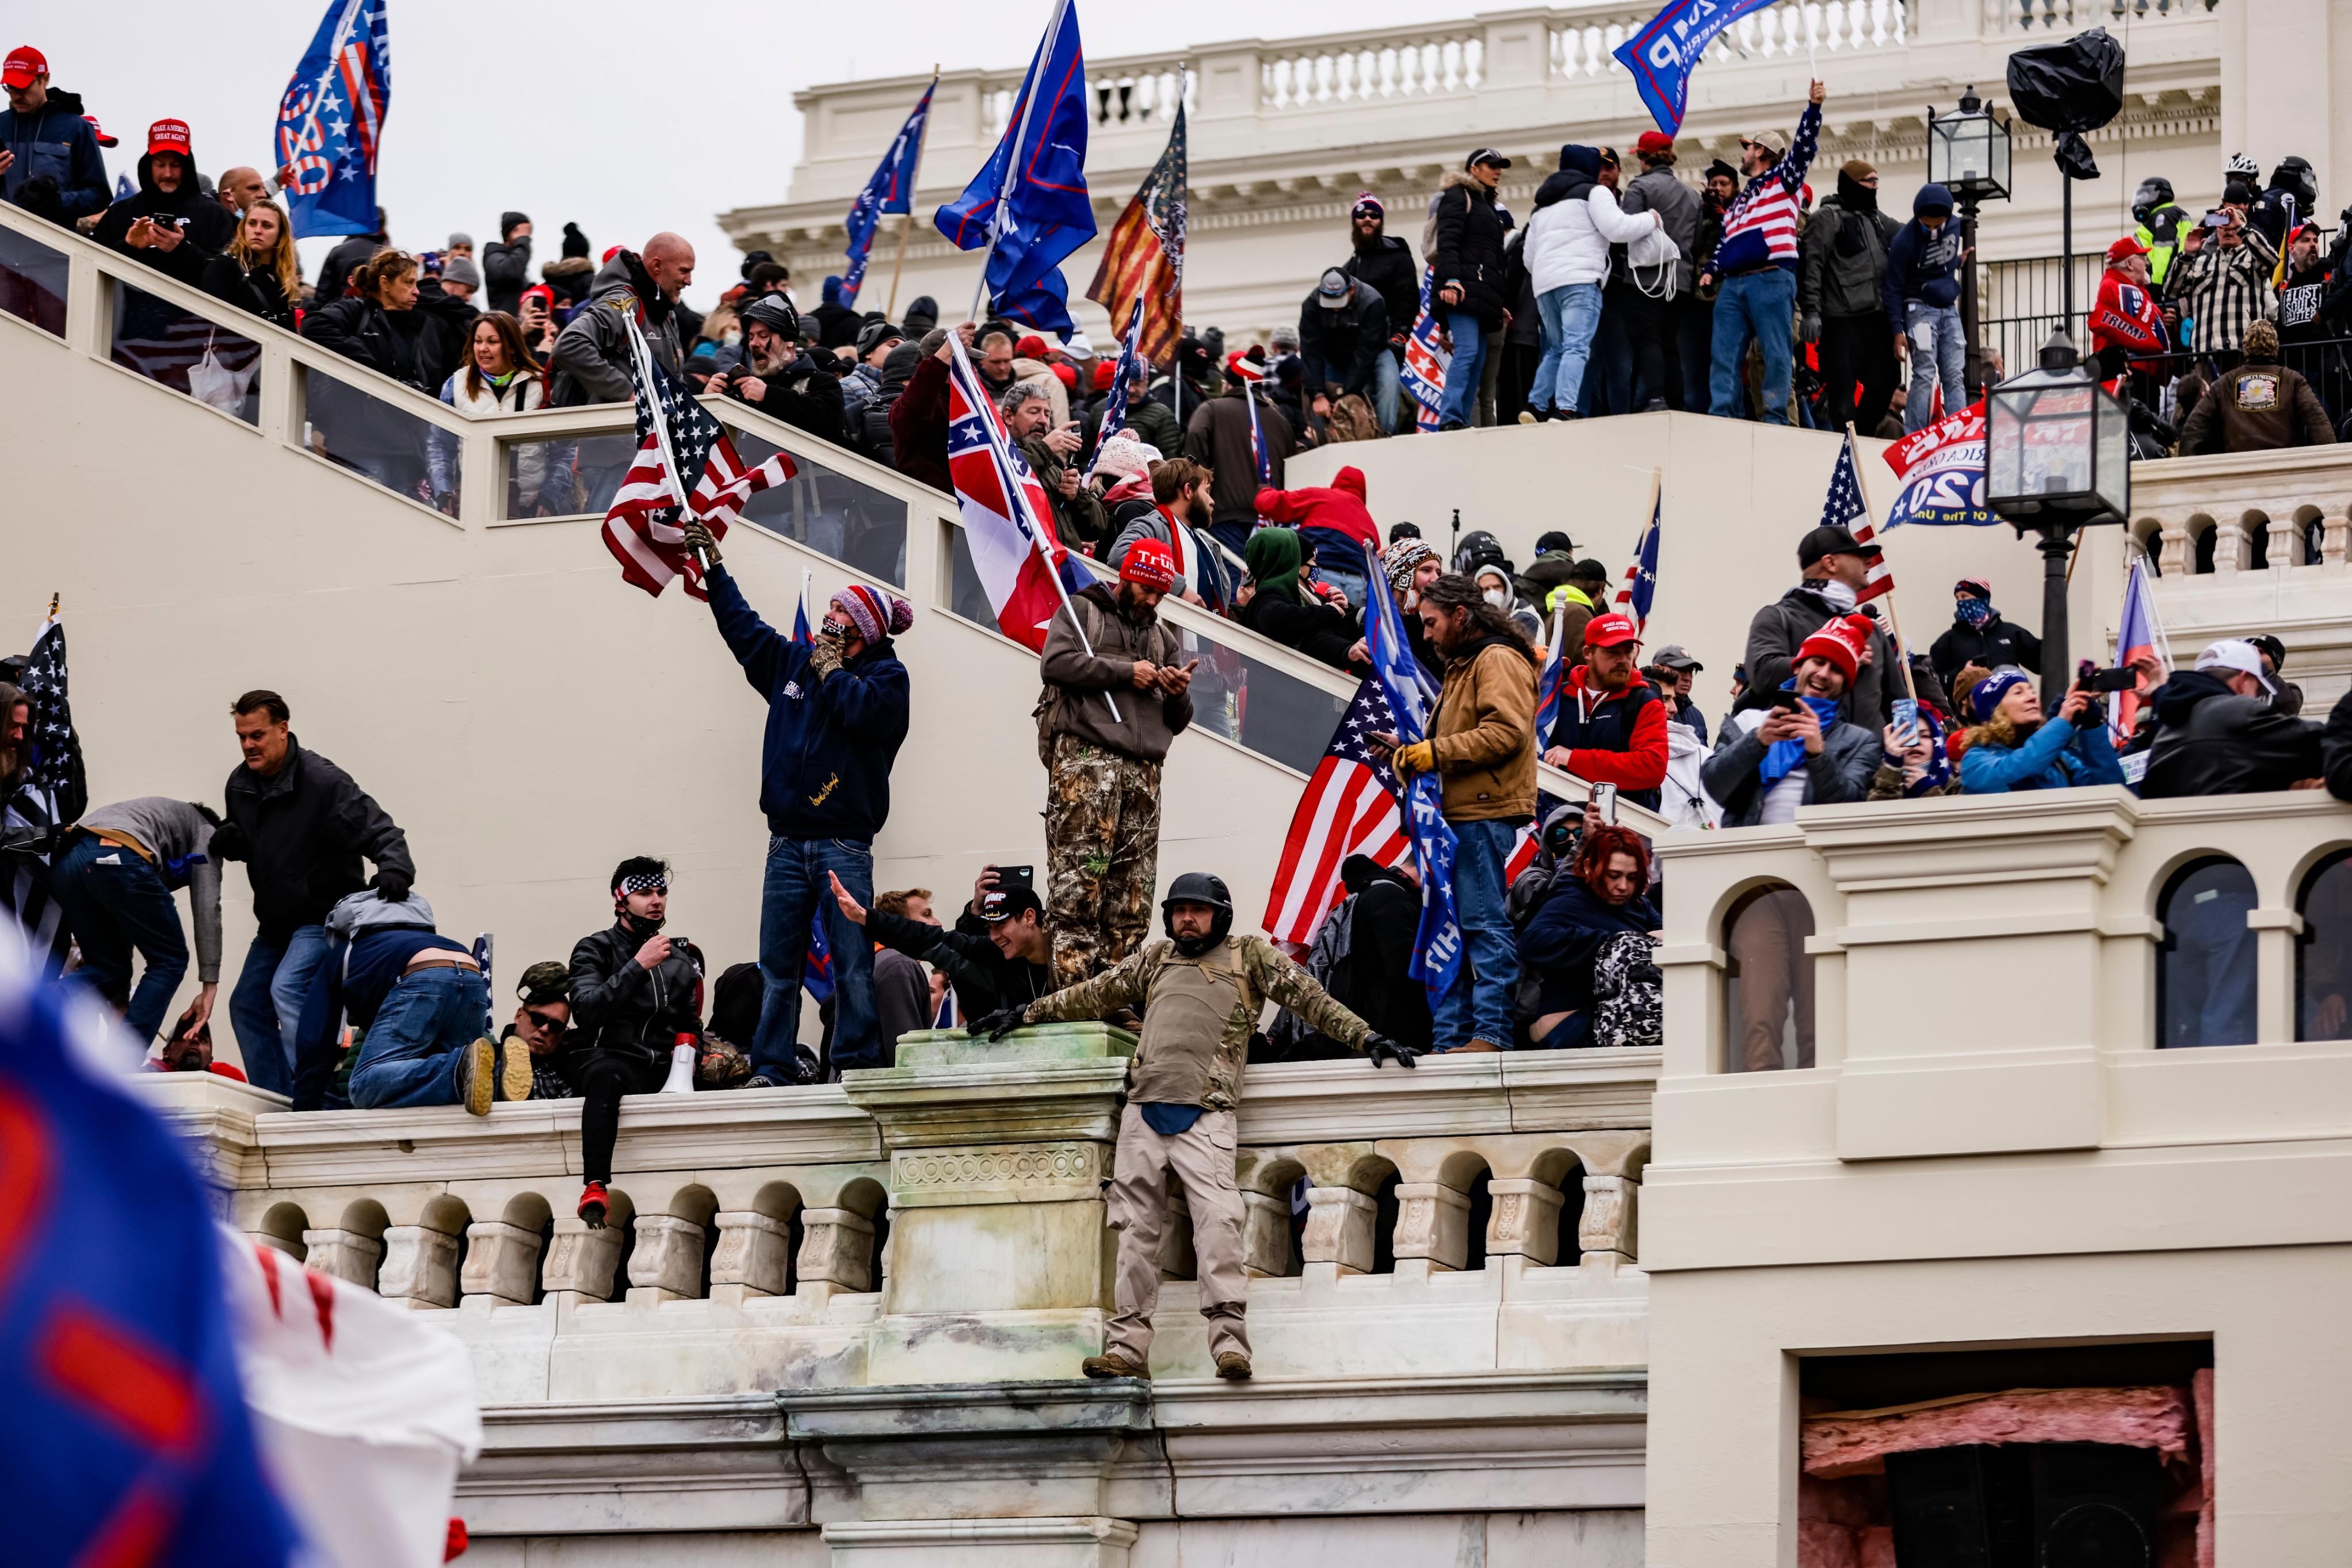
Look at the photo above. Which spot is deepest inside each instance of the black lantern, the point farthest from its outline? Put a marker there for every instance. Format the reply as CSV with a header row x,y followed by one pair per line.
x,y
1967,154
2057,459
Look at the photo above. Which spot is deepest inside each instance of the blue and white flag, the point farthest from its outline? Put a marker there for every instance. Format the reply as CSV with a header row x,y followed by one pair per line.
x,y
1661,56
1424,361
892,189
1028,205
1642,578
330,122
1437,944
816,972
123,189
1123,375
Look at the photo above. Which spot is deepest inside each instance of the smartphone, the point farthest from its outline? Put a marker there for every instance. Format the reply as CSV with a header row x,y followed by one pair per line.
x,y
1012,876
2216,219
1786,701
2127,680
1604,804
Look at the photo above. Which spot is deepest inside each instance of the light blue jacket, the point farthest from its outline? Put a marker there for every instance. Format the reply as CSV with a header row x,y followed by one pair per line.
x,y
2056,756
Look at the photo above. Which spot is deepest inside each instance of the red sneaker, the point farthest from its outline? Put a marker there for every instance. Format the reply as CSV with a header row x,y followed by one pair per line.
x,y
592,1205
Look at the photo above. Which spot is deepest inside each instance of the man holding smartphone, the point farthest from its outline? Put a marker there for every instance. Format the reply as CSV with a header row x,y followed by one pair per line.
x,y
167,223
1118,693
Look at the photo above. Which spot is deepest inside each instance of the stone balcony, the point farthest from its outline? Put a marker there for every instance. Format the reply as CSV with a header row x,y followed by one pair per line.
x,y
1451,1252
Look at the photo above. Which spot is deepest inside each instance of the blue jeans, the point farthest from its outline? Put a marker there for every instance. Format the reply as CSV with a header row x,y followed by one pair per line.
x,y
2211,978
1462,372
1570,313
266,1008
410,1053
1388,388
1939,351
115,902
795,888
1762,305
1479,1004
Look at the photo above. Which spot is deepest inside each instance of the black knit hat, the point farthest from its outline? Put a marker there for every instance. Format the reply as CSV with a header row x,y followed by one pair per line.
x,y
575,241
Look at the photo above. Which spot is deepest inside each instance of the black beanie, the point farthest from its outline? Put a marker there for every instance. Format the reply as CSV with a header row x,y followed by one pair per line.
x,y
575,241
507,222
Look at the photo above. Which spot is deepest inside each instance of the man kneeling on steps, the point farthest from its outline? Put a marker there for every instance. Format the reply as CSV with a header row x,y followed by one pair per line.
x,y
1201,992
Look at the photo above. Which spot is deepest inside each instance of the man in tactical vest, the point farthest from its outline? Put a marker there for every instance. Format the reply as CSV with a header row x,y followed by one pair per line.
x,y
1201,992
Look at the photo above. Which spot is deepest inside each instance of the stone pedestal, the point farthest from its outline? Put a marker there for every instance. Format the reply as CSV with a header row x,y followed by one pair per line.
x,y
1000,1259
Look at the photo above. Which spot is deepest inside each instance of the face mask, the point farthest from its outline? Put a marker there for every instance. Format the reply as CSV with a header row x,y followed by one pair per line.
x,y
1972,611
1839,596
834,629
1495,597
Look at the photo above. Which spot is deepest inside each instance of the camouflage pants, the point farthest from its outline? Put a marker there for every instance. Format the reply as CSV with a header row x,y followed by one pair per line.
x,y
1102,855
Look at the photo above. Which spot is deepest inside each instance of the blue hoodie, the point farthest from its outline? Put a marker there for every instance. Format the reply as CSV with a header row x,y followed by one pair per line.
x,y
825,767
58,143
1922,266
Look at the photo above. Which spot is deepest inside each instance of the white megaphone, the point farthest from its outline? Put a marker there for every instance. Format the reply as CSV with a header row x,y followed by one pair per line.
x,y
681,1067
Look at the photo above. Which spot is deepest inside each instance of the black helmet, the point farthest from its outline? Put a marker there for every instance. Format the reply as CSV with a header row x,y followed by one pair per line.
x,y
2154,191
2295,175
1198,888
1478,547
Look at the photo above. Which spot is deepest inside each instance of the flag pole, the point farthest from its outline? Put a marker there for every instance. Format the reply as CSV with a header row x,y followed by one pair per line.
x,y
914,178
997,211
1894,620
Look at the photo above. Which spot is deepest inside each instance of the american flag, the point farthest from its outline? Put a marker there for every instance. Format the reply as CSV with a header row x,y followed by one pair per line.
x,y
53,794
1424,361
1349,808
1143,259
1641,589
677,434
1844,508
1122,376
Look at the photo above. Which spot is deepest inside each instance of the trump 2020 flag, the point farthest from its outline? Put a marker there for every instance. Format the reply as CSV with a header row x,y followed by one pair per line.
x,y
1025,574
1425,362
1661,56
1028,204
331,121
1941,467
1437,944
892,189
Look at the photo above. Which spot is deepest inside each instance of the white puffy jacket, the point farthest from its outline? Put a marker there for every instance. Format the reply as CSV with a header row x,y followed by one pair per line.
x,y
522,394
1567,242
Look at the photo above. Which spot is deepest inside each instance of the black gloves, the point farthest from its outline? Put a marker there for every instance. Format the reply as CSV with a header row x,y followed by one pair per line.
x,y
390,885
1379,1050
229,843
998,1024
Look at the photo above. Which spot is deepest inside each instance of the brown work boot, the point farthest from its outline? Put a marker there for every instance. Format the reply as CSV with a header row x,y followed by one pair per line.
x,y
1110,1364
477,1075
1478,1045
514,1069
1233,1366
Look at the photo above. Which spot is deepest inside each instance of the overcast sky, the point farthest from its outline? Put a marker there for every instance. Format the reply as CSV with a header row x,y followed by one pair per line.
x,y
625,118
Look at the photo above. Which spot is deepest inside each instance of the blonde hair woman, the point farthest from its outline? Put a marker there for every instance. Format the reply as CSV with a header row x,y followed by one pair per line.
x,y
259,272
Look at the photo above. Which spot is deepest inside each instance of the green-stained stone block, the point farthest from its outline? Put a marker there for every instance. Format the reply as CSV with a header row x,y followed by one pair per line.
x,y
1038,1042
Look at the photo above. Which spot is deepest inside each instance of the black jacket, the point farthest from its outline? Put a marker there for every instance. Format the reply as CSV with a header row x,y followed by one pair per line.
x,y
617,1005
506,273
1339,346
413,346
985,980
1316,629
1387,266
256,291
305,829
803,395
2335,747
334,272
1562,942
1469,251
1993,644
1372,981
2210,741
206,226
1780,628
1842,256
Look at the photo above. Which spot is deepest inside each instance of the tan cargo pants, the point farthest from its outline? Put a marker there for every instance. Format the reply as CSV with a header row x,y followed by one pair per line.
x,y
1202,1157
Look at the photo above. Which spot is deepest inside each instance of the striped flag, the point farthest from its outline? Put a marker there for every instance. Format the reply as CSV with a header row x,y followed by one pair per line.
x,y
1424,361
682,452
1640,588
331,121
1552,676
1350,809
1843,508
2138,636
1026,574
1143,259
1122,376
52,794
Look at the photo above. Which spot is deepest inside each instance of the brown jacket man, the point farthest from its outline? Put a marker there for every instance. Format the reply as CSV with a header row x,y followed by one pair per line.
x,y
2259,405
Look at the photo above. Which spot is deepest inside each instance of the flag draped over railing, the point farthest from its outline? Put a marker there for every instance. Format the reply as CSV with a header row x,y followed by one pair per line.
x,y
1028,205
1143,259
331,121
891,190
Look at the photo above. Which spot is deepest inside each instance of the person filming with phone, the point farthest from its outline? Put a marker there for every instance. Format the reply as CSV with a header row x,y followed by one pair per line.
x,y
1795,747
2012,746
1118,693
167,222
1079,521
997,956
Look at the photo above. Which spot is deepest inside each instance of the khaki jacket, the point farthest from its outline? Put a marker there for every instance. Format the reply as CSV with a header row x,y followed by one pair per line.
x,y
1483,736
1148,723
1199,1015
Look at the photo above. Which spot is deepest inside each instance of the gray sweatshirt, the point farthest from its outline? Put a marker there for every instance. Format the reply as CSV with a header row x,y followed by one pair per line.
x,y
180,840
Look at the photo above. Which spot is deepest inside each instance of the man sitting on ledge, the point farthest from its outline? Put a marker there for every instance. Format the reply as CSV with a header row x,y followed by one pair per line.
x,y
1201,991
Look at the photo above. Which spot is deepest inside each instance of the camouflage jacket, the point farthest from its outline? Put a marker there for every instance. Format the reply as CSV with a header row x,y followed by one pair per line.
x,y
1199,1014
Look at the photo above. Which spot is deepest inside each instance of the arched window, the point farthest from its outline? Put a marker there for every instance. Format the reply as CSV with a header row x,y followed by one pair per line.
x,y
2205,969
1768,981
2323,956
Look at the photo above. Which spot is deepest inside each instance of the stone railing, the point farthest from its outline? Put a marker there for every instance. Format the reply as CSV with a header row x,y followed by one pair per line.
x,y
1583,45
2067,16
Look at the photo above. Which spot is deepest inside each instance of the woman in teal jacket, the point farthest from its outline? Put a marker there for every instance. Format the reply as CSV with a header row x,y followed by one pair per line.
x,y
2013,748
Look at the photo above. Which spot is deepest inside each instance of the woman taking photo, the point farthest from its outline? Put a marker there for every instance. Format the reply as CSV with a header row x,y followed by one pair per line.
x,y
259,272
501,376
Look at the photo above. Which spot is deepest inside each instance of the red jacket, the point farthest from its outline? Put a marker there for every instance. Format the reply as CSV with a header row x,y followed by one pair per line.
x,y
1642,764
1340,509
2127,317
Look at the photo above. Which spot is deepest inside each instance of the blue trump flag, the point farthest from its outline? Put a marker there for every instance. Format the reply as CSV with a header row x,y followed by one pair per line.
x,y
330,122
892,189
1437,944
123,1431
1661,56
816,972
1028,205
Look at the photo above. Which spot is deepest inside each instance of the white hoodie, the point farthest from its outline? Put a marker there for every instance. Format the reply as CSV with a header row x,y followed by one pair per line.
x,y
1567,242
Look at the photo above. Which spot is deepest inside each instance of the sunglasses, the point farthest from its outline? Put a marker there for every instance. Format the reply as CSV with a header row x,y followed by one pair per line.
x,y
545,1024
